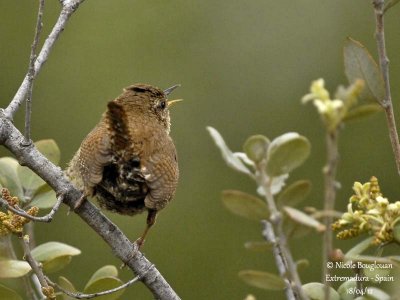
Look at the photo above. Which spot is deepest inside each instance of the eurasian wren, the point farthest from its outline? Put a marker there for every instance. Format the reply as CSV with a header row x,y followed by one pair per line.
x,y
128,161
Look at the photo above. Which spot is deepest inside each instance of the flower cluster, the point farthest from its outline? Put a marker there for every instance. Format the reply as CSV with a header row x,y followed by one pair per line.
x,y
368,212
10,222
333,111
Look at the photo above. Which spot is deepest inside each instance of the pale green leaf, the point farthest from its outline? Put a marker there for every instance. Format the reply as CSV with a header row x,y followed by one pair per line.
x,y
359,248
316,291
29,180
374,293
294,193
106,271
263,280
44,198
8,294
9,178
13,268
362,111
302,218
56,264
258,246
344,289
49,149
293,229
302,264
52,250
245,205
230,159
359,64
256,147
396,233
66,285
103,284
287,152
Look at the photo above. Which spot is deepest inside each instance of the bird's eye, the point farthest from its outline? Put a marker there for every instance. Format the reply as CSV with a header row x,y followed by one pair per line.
x,y
163,104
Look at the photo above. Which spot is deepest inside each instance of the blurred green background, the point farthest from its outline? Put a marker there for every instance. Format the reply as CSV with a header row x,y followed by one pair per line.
x,y
243,66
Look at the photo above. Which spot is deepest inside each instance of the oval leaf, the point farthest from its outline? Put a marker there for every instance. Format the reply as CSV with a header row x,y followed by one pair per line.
x,y
66,285
256,147
9,177
103,284
362,111
44,198
359,64
56,264
262,280
302,264
106,271
9,294
302,218
230,159
316,291
13,268
294,193
396,233
286,153
293,229
245,205
359,248
52,250
344,289
258,246
29,180
49,148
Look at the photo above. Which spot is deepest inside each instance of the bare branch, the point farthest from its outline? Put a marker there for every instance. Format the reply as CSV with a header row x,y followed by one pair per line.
x,y
47,218
46,289
11,138
387,104
89,296
31,72
68,9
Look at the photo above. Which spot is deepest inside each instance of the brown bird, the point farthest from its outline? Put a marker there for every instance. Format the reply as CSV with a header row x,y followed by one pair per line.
x,y
128,161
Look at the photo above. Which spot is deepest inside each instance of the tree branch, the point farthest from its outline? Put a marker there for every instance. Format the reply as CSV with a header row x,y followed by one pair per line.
x,y
387,104
29,156
69,7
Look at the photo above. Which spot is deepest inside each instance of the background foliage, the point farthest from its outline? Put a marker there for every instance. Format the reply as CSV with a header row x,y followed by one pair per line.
x,y
243,67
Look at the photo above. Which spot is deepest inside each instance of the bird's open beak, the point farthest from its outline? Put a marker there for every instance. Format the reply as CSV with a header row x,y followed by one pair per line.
x,y
170,89
172,102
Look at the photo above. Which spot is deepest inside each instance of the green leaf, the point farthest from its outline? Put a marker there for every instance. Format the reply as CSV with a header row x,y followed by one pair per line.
x,y
9,178
13,268
359,64
103,284
390,4
106,271
259,246
66,285
359,248
316,291
344,289
29,180
245,205
287,152
230,159
302,264
49,148
44,197
9,294
256,147
293,229
374,293
396,233
262,280
362,111
294,193
302,218
375,274
54,255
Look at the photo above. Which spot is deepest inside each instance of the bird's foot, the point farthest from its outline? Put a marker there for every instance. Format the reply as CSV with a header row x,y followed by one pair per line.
x,y
78,203
136,247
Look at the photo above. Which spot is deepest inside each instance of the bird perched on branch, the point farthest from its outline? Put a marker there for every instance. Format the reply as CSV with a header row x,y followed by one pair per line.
x,y
128,161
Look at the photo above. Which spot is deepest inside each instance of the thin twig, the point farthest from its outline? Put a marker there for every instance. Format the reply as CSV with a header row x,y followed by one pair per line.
x,y
36,268
329,202
79,295
387,104
280,261
276,220
47,218
68,9
31,73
